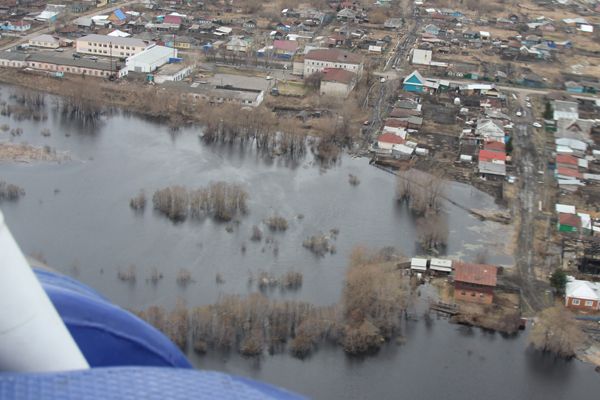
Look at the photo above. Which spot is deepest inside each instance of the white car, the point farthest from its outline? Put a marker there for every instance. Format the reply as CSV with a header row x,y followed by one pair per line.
x,y
537,125
518,113
527,99
269,77
528,105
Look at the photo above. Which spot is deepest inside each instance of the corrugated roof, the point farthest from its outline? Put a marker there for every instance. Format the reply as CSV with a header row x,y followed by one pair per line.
x,y
569,219
477,274
390,138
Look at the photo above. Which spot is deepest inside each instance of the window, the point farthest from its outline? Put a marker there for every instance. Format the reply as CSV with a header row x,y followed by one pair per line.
x,y
589,303
575,302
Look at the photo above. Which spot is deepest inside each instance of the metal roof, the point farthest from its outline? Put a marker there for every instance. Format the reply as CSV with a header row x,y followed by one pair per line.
x,y
114,40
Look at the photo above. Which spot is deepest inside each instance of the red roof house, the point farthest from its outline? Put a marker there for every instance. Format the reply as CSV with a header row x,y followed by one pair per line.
x,y
491,156
474,282
494,145
173,19
387,140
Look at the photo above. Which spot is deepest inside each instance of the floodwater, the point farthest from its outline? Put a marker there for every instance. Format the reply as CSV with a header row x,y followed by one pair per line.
x,y
76,216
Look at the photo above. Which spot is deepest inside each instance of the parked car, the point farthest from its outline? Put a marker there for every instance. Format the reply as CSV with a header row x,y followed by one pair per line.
x,y
76,55
537,125
518,113
60,49
528,105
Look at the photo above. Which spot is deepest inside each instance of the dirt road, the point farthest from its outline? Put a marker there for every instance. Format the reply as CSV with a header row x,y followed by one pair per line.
x,y
528,160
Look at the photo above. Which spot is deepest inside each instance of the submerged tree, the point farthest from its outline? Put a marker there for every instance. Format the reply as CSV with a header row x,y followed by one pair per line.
x,y
556,331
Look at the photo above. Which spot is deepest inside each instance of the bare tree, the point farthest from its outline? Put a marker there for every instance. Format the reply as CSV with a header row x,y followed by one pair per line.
x,y
556,331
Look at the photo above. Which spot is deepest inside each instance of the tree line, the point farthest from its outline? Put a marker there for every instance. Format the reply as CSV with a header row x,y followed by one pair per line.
x,y
375,296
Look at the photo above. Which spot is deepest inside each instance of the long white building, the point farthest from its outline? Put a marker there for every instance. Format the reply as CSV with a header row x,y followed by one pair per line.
x,y
110,46
320,59
150,59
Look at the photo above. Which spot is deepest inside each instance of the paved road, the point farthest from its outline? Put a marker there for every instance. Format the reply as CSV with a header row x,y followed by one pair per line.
x,y
50,28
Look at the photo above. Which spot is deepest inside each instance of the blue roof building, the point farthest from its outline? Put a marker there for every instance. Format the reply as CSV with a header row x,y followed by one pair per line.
x,y
414,82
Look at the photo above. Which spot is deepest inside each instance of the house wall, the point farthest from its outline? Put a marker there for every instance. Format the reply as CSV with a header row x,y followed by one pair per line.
x,y
473,294
298,68
67,69
104,49
178,76
409,87
12,63
385,145
48,45
312,66
336,89
570,302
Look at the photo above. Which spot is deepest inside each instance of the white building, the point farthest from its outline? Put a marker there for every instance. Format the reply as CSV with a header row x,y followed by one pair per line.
x,y
151,59
320,59
13,59
110,46
173,73
418,264
421,57
47,41
565,110
337,82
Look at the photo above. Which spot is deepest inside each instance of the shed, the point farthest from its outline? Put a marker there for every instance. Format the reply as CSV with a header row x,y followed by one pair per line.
x,y
440,265
418,264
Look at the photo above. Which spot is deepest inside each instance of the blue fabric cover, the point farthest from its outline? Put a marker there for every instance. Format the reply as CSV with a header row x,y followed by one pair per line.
x,y
106,334
148,383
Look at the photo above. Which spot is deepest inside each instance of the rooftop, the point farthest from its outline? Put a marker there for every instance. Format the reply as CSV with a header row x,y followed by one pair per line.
x,y
105,65
153,54
122,41
338,75
334,55
478,274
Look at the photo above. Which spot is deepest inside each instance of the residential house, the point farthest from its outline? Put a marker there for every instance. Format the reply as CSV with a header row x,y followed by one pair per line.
x,y
414,82
582,295
579,129
117,17
489,129
176,20
393,24
387,140
285,49
337,82
532,80
565,110
346,14
17,26
249,25
421,57
569,222
237,44
492,164
432,29
474,282
320,59
46,41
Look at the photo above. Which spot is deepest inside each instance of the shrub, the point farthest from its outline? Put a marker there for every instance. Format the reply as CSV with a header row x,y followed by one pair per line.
x,y
276,223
